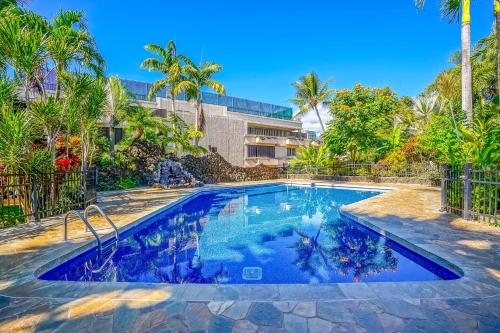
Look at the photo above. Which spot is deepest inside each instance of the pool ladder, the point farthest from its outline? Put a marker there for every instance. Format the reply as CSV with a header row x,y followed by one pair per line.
x,y
88,226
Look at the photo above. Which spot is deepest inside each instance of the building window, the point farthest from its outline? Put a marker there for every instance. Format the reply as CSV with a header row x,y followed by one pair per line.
x,y
260,151
291,152
275,132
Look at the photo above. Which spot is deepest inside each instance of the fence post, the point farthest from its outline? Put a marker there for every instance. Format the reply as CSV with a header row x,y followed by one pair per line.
x,y
34,199
444,190
467,190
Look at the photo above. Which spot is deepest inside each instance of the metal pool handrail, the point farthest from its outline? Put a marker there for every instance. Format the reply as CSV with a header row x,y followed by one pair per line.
x,y
106,217
87,224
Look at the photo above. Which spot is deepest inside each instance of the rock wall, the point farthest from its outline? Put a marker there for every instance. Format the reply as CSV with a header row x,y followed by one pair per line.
x,y
213,168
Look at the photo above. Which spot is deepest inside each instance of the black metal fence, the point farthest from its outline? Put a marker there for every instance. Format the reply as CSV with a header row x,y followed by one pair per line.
x,y
472,192
30,197
376,170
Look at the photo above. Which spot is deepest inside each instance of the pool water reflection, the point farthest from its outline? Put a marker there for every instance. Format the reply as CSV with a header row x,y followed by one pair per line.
x,y
265,234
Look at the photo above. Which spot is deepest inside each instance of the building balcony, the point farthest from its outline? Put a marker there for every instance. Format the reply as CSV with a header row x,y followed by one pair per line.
x,y
267,161
296,141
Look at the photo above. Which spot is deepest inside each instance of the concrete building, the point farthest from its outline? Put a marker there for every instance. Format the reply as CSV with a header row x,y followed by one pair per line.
x,y
246,133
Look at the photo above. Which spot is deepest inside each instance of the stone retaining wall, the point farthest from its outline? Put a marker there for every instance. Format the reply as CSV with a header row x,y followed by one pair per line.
x,y
213,168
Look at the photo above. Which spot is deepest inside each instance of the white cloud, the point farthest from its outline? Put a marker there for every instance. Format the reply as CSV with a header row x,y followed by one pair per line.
x,y
310,120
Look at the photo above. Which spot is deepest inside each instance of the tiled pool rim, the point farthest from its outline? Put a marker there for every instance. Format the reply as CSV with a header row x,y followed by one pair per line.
x,y
255,292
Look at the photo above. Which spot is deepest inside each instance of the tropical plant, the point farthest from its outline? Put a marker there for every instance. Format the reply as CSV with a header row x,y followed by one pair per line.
x,y
181,135
23,37
496,12
311,158
424,107
142,123
16,137
7,90
363,121
69,42
116,109
194,79
86,98
169,65
454,9
482,144
310,93
48,115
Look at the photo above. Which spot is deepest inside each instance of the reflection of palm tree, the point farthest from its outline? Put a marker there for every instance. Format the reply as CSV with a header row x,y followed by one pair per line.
x,y
306,247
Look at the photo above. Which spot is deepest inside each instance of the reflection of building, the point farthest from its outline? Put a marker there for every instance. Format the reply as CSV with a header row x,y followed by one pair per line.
x,y
244,132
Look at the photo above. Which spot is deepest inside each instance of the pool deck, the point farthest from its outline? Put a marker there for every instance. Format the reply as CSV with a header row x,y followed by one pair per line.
x,y
409,214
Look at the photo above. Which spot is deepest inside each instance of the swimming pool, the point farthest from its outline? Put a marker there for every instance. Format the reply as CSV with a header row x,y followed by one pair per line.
x,y
267,234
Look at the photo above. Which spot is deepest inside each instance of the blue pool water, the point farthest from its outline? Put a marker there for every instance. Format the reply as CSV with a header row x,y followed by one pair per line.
x,y
261,234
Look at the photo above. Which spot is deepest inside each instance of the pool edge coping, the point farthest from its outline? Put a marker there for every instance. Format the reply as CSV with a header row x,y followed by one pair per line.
x,y
192,288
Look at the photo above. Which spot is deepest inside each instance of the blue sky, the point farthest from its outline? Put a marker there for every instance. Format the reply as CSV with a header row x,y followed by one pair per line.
x,y
265,45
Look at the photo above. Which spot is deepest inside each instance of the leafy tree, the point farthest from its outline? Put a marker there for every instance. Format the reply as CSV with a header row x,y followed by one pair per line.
x,y
169,65
194,79
363,121
309,93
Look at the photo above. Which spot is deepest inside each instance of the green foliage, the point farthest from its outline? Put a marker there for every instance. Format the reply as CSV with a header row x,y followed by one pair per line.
x,y
310,92
126,183
364,121
16,137
193,79
311,158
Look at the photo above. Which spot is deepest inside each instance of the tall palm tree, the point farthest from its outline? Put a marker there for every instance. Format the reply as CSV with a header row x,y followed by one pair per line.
x,y
496,10
169,65
310,93
23,36
117,107
69,42
454,9
195,78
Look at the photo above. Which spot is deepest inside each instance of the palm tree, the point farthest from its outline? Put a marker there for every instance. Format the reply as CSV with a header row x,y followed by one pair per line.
x,y
85,102
195,79
496,10
23,36
309,93
117,107
140,120
425,106
454,9
69,42
48,114
169,65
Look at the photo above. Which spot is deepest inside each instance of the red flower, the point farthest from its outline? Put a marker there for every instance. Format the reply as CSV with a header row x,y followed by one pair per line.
x,y
63,163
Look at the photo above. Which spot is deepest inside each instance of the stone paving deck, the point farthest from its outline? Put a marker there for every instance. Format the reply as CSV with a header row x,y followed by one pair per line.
x,y
408,214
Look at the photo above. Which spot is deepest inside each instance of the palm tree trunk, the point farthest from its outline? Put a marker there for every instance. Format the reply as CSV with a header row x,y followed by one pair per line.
x,y
466,64
112,137
497,28
58,85
319,118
